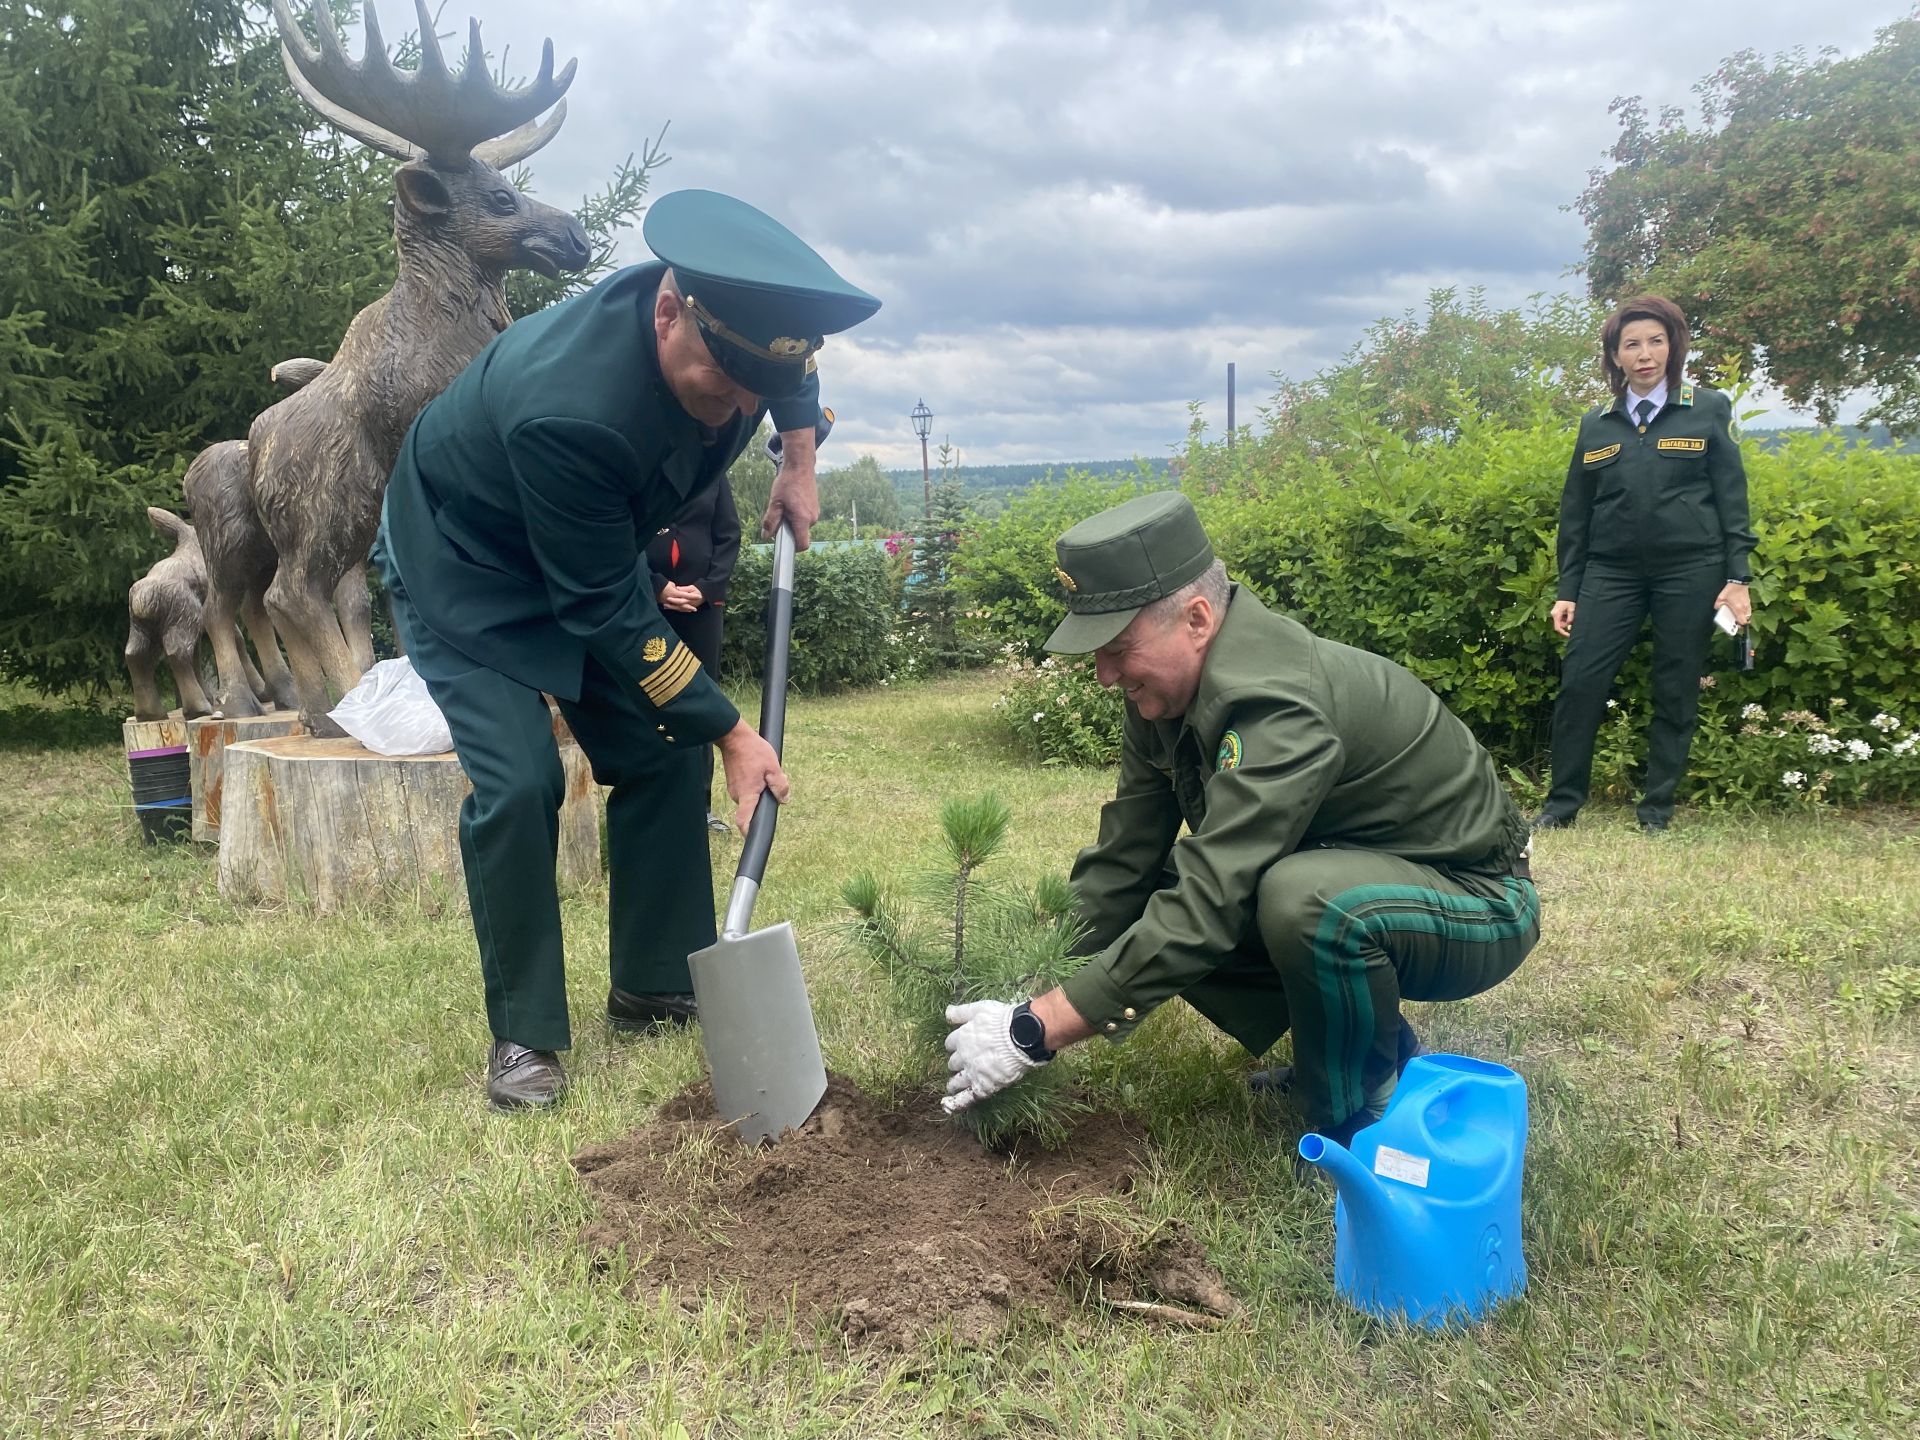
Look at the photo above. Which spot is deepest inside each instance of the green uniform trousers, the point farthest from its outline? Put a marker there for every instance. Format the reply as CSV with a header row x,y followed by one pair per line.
x,y
660,879
1614,601
1340,938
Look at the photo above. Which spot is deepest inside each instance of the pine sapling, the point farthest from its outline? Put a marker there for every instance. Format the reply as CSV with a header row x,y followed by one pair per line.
x,y
947,936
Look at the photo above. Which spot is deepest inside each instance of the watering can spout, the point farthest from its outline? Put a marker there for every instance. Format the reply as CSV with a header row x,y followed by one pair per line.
x,y
1372,1213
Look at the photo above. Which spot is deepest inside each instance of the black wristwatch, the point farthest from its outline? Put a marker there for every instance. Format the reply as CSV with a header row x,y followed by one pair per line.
x,y
1029,1033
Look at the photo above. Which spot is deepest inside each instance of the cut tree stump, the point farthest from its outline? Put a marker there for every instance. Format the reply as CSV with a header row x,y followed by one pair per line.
x,y
207,742
328,823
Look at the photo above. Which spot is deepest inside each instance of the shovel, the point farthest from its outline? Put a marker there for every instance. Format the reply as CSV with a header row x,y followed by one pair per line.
x,y
755,1019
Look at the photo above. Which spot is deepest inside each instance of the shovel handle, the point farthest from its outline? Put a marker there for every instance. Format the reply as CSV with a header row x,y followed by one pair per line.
x,y
773,727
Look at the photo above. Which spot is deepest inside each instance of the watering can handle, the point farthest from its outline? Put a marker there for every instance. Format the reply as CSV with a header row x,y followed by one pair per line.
x,y
773,728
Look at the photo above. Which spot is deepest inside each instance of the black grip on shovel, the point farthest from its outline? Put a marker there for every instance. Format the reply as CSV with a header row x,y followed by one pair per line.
x,y
773,703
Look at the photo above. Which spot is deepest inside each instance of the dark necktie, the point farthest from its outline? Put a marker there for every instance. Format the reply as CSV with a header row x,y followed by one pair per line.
x,y
1645,411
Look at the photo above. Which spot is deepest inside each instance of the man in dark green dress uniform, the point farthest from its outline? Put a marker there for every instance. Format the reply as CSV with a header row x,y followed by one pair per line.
x,y
1348,843
512,544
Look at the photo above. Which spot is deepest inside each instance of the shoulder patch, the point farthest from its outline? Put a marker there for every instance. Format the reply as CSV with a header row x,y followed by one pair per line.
x,y
1686,393
1684,443
1229,756
1594,457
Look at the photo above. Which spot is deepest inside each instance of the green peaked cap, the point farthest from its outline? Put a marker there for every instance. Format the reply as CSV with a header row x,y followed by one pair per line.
x,y
1113,563
763,299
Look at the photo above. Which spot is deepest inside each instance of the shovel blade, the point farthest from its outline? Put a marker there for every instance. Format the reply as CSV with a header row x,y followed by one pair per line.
x,y
757,1025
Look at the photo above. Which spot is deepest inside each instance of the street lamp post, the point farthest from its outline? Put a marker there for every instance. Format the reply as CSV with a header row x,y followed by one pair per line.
x,y
923,427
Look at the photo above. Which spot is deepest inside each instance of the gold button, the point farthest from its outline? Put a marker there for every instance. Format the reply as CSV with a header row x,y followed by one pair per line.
x,y
669,739
1129,1014
1111,1027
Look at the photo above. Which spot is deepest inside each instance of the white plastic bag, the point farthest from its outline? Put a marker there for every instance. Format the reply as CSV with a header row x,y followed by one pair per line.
x,y
391,713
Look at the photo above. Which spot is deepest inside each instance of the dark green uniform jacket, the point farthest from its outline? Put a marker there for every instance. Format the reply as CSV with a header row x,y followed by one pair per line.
x,y
525,493
1676,491
1292,741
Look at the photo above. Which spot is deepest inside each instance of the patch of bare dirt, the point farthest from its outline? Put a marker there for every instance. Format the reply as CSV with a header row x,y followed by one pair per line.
x,y
892,1225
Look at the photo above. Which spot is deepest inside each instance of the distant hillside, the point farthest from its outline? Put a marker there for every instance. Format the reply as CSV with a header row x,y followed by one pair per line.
x,y
1000,480
1877,437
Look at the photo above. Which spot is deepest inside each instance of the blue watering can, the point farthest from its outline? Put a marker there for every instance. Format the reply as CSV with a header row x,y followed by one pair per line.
x,y
1427,1226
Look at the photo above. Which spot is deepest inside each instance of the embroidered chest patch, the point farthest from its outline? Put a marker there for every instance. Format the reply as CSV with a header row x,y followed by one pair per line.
x,y
1681,443
1229,756
1594,457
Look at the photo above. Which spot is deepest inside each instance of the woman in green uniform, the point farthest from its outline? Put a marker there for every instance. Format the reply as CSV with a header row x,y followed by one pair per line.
x,y
1653,522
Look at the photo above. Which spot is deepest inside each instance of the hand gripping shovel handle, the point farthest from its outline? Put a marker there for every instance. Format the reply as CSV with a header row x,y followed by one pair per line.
x,y
773,726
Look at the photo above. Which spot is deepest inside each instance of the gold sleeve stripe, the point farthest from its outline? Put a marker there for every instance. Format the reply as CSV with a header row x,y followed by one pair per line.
x,y
676,672
1593,457
1682,442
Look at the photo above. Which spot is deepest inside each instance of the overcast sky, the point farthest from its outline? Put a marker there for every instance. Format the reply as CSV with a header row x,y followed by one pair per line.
x,y
1077,213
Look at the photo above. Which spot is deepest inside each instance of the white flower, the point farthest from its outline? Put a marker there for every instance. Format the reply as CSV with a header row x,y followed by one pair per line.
x,y
1613,704
1752,712
1859,750
1901,747
1793,780
1059,699
1049,663
1039,715
1822,745
1884,722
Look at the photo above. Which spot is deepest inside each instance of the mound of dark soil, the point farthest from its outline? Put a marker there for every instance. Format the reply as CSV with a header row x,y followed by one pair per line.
x,y
890,1224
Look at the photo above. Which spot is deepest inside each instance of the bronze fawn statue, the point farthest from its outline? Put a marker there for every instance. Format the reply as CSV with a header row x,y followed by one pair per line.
x,y
164,614
319,459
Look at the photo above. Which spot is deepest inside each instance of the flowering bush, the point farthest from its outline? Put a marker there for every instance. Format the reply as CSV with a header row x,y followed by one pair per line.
x,y
1747,756
1057,710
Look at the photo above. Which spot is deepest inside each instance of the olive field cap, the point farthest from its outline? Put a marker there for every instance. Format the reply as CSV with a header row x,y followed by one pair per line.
x,y
1113,563
763,299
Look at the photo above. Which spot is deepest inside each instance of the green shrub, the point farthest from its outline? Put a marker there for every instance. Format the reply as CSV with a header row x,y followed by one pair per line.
x,y
1440,555
846,607
1747,757
1059,713
1005,566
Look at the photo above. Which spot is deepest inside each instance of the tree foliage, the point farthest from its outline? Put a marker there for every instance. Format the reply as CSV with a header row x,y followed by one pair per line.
x,y
1416,377
861,490
175,221
1782,222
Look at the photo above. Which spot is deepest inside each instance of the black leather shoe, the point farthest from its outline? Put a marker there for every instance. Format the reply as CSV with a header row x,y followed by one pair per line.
x,y
634,1014
1544,821
521,1079
1279,1080
1653,827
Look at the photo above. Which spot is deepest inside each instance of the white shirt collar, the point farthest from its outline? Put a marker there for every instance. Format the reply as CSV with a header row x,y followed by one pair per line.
x,y
1630,402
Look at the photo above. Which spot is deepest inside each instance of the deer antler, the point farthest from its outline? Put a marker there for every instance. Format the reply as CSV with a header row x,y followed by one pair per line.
x,y
429,111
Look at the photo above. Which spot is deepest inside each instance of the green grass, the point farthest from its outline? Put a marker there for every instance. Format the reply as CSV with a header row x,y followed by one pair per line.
x,y
249,1186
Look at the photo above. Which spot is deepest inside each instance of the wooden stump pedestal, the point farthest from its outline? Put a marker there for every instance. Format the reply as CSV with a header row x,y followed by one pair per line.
x,y
207,742
329,823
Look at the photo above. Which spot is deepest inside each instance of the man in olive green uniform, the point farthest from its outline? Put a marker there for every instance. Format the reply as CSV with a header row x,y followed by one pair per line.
x,y
1347,844
1653,521
512,544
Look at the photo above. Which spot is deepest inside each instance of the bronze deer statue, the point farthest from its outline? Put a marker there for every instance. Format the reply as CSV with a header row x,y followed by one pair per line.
x,y
165,609
319,459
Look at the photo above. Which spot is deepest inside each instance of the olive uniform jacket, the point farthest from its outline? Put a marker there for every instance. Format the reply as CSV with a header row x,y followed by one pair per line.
x,y
699,545
1291,741
525,492
1673,493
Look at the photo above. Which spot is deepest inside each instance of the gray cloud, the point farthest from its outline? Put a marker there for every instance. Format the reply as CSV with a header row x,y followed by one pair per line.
x,y
1078,213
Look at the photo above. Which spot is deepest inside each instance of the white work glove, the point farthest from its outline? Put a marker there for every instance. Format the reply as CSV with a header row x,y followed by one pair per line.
x,y
981,1053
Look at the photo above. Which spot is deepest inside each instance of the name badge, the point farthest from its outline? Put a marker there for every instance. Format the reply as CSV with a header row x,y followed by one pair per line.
x,y
1683,444
1594,457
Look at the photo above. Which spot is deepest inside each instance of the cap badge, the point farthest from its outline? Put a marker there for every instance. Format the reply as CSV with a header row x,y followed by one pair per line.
x,y
786,347
655,649
1066,580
